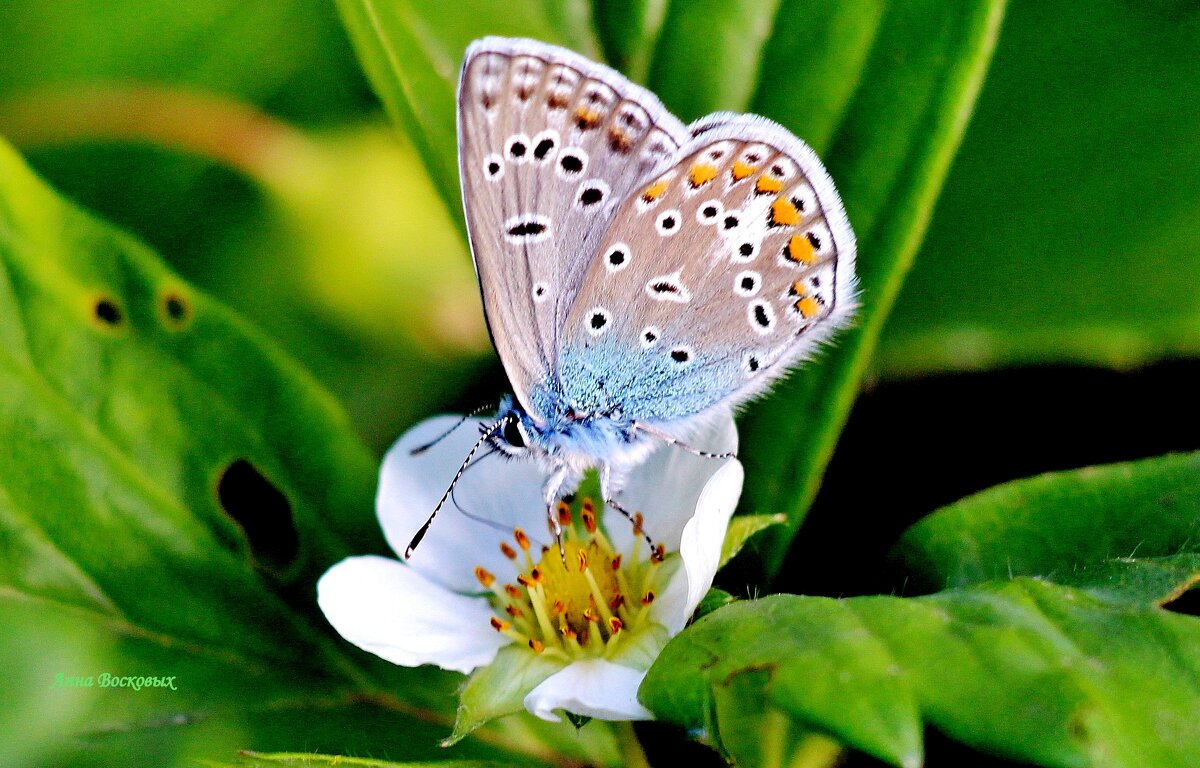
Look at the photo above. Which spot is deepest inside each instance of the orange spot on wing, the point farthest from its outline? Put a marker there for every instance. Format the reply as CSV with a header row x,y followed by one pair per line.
x,y
701,174
740,171
654,191
768,186
799,250
784,213
586,118
807,307
798,289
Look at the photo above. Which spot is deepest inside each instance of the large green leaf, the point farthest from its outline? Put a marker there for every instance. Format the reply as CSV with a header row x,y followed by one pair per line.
x,y
883,91
1068,230
1125,531
171,487
1026,669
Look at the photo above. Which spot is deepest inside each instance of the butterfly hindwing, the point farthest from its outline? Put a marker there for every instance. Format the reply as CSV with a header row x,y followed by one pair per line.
x,y
549,145
735,261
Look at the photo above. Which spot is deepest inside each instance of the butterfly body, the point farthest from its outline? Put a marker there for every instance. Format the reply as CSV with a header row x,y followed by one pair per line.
x,y
639,277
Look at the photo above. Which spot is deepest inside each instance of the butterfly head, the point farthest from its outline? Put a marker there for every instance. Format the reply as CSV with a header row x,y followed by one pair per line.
x,y
516,435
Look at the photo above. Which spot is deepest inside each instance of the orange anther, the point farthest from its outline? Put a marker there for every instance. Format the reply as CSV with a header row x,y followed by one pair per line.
x,y
508,551
589,521
514,611
659,554
564,513
522,539
614,625
485,578
498,625
513,591
583,561
536,645
616,563
648,597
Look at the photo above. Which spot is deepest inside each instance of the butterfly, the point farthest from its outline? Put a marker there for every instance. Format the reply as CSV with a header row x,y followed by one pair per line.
x,y
638,275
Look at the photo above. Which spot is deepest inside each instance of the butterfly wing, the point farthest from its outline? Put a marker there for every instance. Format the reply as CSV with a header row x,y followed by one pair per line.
x,y
549,143
721,271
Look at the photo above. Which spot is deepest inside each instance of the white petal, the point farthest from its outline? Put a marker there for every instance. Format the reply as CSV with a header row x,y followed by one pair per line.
x,y
594,688
387,608
666,487
700,548
500,494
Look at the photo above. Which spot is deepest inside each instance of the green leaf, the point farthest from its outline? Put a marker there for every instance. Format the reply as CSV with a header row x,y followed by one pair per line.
x,y
412,49
712,600
883,92
1025,669
311,760
173,488
1124,531
1027,258
500,688
741,529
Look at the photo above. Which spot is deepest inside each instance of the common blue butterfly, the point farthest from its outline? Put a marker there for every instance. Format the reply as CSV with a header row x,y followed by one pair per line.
x,y
639,276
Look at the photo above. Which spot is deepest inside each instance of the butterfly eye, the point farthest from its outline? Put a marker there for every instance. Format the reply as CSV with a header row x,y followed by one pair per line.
x,y
514,433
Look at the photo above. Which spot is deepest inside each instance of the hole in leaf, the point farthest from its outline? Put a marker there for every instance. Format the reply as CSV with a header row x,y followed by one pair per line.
x,y
262,512
107,312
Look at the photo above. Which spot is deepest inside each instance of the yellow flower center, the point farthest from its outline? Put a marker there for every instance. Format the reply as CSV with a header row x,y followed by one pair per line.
x,y
579,602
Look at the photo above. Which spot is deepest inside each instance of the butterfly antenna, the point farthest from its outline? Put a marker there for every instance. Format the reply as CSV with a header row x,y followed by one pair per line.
x,y
680,444
441,502
422,448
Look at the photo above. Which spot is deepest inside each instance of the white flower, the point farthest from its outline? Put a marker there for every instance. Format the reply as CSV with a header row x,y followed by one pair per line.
x,y
488,574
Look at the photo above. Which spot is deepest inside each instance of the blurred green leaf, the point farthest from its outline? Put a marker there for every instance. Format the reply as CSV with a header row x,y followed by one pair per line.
x,y
175,486
1025,669
411,51
300,760
1068,230
1124,532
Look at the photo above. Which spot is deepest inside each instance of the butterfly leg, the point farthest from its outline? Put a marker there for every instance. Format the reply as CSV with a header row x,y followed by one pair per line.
x,y
551,493
610,483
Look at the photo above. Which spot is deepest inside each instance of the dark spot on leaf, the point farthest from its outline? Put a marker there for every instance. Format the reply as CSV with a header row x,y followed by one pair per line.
x,y
262,512
177,309
107,311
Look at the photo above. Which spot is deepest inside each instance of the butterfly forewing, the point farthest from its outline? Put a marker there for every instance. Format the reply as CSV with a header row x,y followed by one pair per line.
x,y
735,261
549,145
